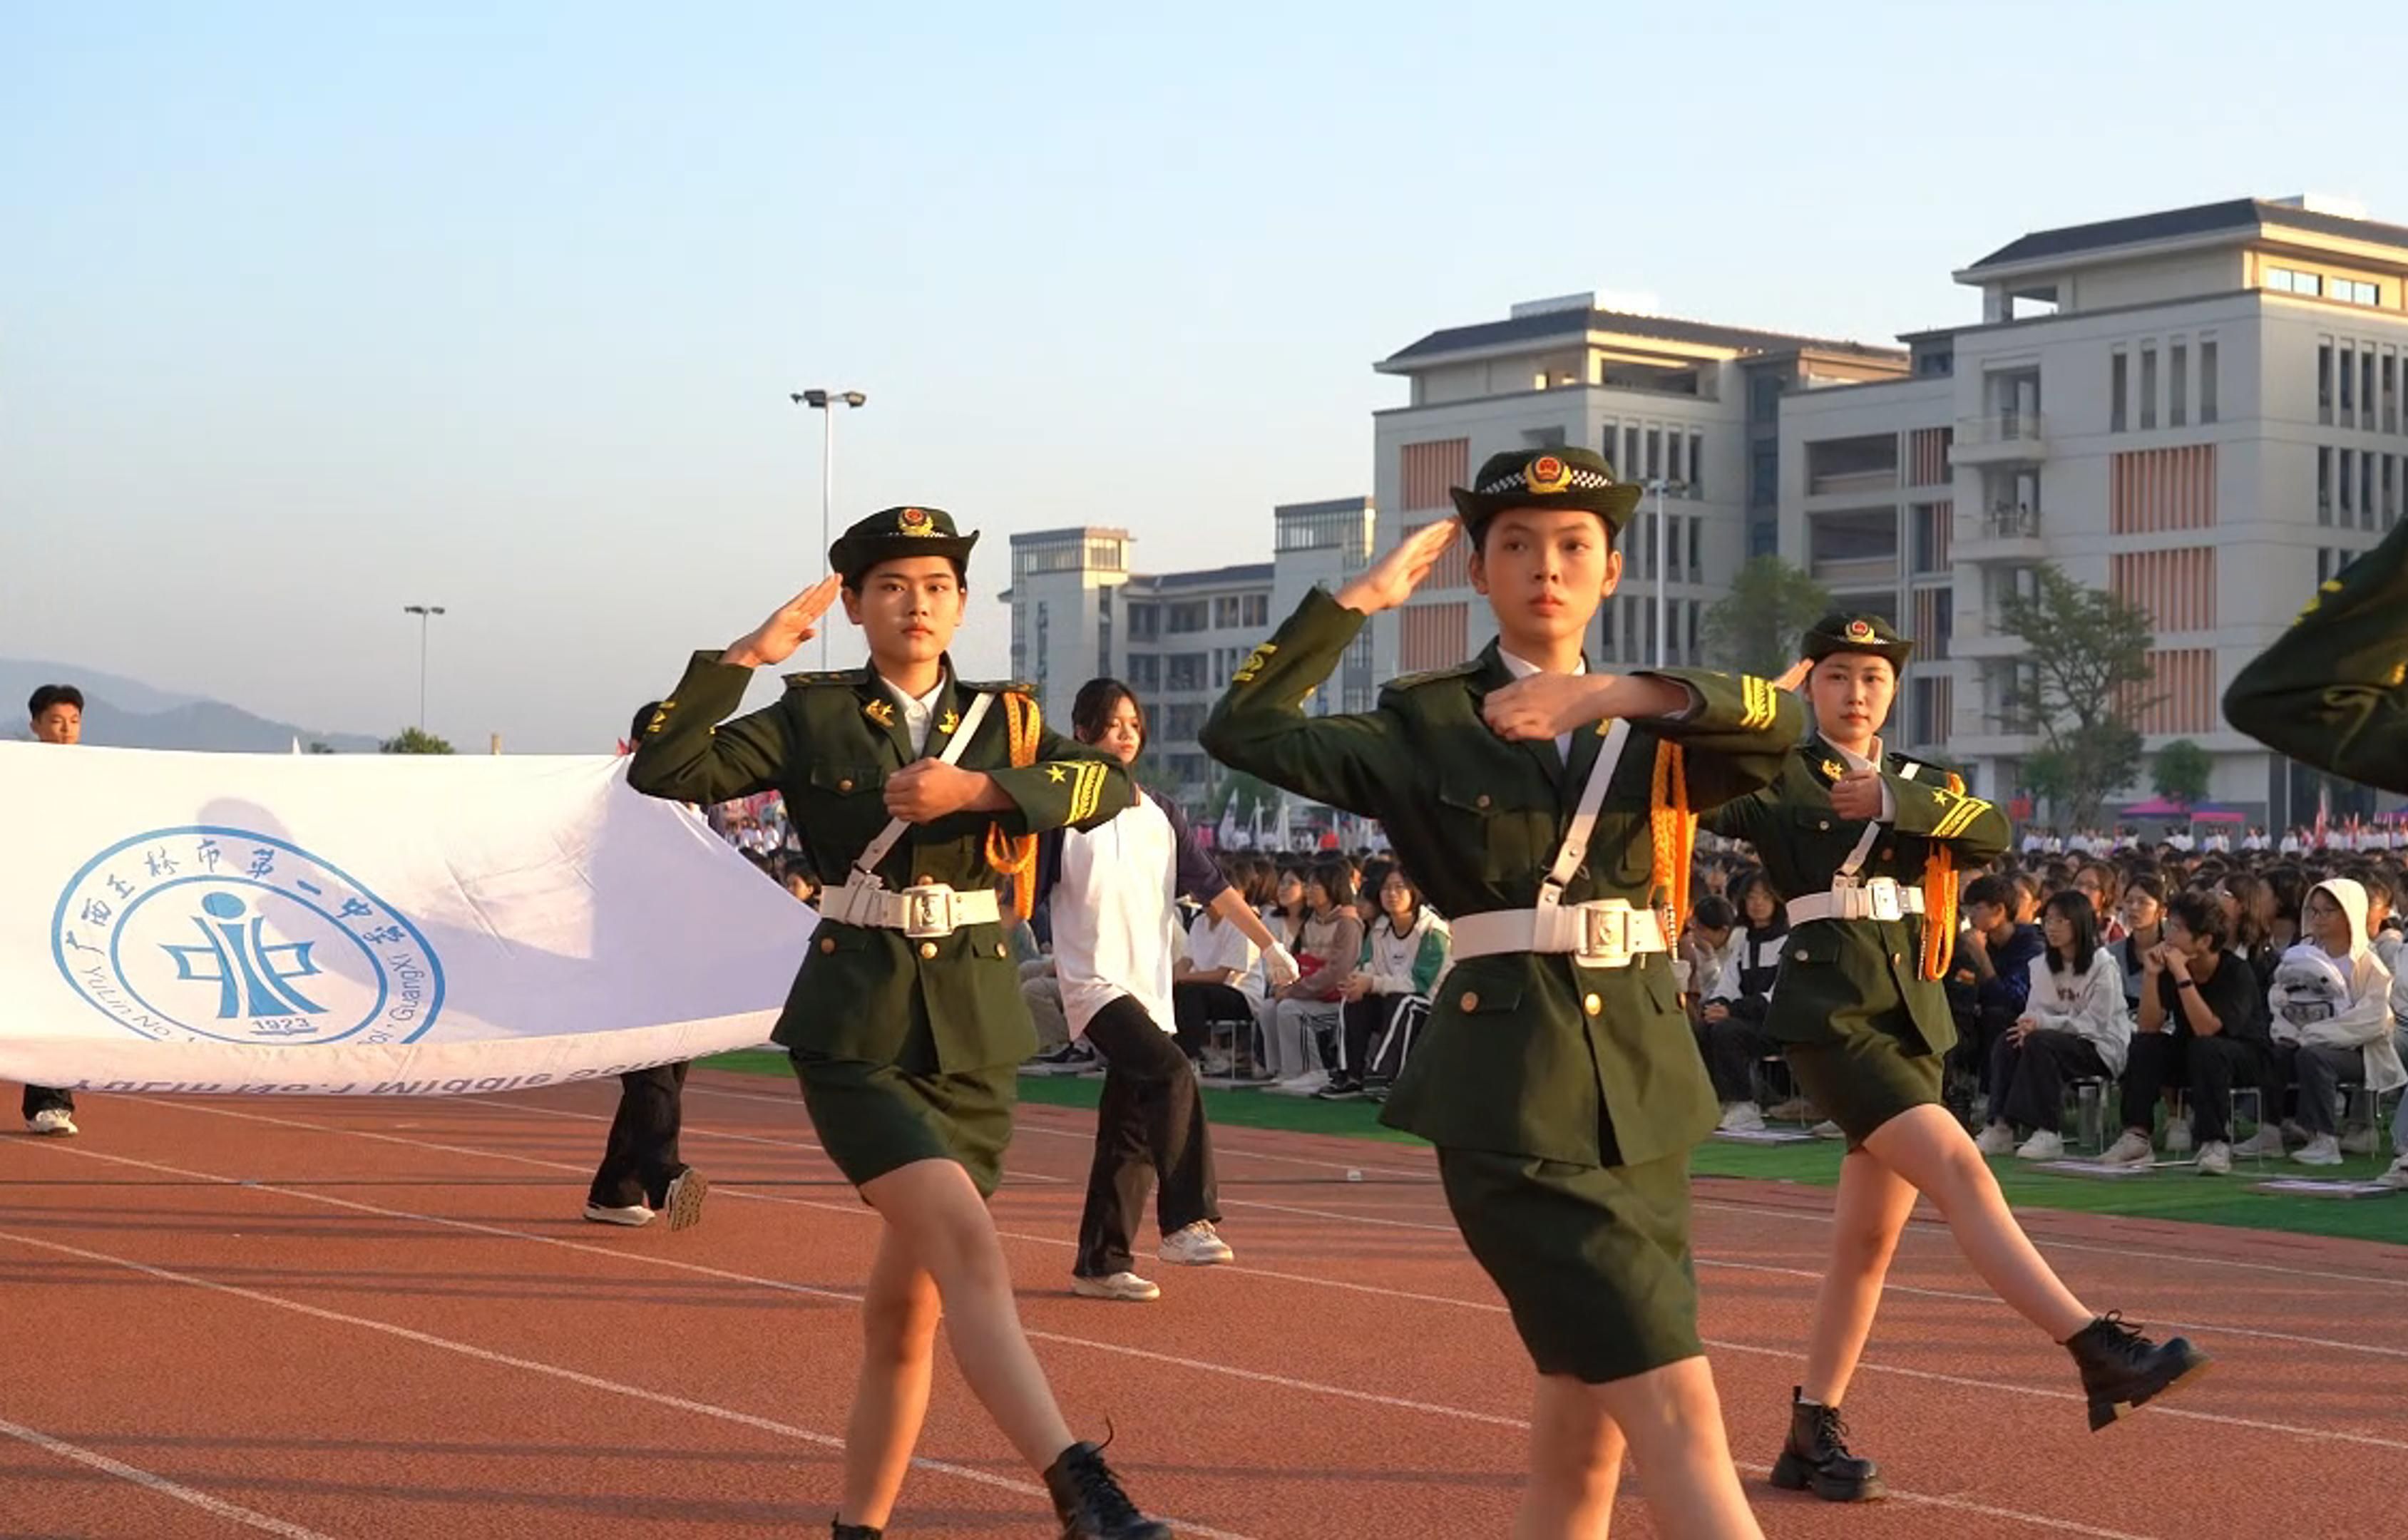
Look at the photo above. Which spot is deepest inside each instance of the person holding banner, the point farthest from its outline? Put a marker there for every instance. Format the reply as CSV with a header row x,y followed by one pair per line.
x,y
1548,819
57,714
905,1022
1865,844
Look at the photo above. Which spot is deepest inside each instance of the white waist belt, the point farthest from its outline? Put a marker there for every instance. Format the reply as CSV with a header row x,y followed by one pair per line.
x,y
1879,899
932,909
1606,934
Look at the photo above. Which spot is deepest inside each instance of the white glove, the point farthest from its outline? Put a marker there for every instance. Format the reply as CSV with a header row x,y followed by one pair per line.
x,y
1279,966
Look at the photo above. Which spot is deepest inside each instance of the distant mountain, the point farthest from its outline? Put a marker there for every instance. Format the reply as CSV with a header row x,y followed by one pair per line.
x,y
128,714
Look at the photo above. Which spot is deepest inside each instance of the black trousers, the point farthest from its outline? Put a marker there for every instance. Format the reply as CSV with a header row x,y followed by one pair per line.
x,y
43,1098
2207,1069
1732,1047
2028,1078
1199,1006
1148,1122
640,1158
1361,1025
2319,1069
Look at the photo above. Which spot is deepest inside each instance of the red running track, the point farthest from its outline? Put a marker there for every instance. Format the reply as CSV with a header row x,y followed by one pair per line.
x,y
385,1319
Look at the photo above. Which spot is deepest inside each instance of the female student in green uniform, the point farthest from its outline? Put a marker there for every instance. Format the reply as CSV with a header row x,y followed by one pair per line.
x,y
1865,844
906,1022
1556,1077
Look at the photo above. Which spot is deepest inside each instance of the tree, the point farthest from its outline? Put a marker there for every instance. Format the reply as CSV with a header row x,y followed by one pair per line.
x,y
318,746
1756,628
414,740
2182,772
2088,650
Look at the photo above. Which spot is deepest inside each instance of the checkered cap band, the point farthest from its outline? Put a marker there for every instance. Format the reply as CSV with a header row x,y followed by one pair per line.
x,y
1580,481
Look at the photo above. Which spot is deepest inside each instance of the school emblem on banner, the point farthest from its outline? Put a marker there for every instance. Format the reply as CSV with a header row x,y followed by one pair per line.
x,y
206,932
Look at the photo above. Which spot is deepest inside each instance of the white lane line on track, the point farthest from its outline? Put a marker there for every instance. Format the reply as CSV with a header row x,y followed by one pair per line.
x,y
150,1481
508,1360
1205,1366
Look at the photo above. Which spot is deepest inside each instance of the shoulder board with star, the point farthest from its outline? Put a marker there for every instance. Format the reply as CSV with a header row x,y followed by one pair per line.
x,y
1405,683
996,687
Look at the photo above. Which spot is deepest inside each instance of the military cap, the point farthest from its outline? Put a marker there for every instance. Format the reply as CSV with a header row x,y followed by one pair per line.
x,y
893,535
1544,479
1851,630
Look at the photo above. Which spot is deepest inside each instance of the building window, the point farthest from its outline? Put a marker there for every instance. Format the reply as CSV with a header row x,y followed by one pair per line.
x,y
1696,464
1697,567
1612,448
2366,389
2348,386
2366,489
1186,671
2348,504
1103,631
1190,615
2207,379
1764,477
1655,453
2289,280
2391,508
1628,463
2324,484
2355,292
2148,389
1145,670
2177,384
2118,382
1144,622
1672,454
2390,392
1259,609
2324,382
1227,611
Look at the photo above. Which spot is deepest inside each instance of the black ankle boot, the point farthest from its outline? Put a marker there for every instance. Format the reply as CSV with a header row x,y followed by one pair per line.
x,y
1817,1456
2122,1370
1088,1500
842,1530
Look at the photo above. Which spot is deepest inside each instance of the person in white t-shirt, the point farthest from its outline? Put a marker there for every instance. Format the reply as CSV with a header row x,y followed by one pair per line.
x,y
1112,896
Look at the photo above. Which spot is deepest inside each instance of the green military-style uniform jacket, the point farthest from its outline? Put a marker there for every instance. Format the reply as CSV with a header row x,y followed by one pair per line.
x,y
1836,973
2332,691
1525,1053
828,745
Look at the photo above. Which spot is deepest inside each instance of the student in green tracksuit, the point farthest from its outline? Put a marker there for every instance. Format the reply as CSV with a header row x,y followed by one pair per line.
x,y
906,1022
1865,845
1557,1077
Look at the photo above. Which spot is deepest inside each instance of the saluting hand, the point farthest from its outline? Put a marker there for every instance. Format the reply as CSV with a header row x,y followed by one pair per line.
x,y
926,790
1858,794
796,621
1393,577
1797,675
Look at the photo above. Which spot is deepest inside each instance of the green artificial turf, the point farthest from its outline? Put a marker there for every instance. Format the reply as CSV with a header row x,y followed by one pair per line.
x,y
2174,1194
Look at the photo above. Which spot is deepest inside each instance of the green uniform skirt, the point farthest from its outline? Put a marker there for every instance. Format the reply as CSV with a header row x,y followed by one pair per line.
x,y
1593,1260
873,1118
1863,1079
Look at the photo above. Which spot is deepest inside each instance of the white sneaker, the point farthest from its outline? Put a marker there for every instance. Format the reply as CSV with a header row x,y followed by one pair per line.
x,y
2324,1149
631,1216
2043,1146
1828,1130
2216,1158
1120,1285
1997,1139
56,1122
2177,1135
1301,1085
2267,1141
2132,1148
1196,1245
2364,1139
2397,1176
1742,1118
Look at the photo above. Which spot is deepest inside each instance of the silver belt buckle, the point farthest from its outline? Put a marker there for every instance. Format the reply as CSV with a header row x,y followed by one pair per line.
x,y
927,911
1605,936
1881,900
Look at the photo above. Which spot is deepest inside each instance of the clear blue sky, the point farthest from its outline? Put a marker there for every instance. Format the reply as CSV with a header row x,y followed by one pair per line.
x,y
311,312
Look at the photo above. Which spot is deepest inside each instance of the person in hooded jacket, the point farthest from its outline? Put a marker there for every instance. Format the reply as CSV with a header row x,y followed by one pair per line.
x,y
1731,1035
2331,1003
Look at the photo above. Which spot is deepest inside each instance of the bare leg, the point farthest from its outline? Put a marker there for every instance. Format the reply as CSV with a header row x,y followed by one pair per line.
x,y
1674,1422
945,1228
898,1331
1575,1464
1872,1207
1925,1145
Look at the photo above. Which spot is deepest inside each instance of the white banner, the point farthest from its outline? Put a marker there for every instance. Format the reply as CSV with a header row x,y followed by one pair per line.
x,y
368,924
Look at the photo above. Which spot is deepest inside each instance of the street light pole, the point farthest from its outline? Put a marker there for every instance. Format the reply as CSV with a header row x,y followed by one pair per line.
x,y
824,402
424,613
1663,562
